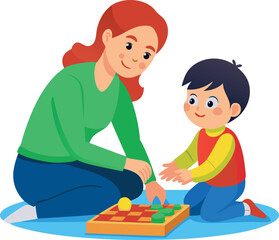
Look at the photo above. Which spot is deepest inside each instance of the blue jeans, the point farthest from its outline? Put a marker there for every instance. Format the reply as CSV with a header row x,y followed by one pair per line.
x,y
215,203
72,189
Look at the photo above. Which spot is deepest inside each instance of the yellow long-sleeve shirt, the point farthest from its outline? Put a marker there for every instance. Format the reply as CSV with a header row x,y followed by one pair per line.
x,y
217,160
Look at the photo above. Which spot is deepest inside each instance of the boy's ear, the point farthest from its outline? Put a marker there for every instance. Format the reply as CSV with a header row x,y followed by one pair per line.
x,y
107,35
236,109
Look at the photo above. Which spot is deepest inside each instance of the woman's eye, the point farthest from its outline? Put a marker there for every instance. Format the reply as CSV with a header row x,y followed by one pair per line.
x,y
193,100
129,45
211,102
146,55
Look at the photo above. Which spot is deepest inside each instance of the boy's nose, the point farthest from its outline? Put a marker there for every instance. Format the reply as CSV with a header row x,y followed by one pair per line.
x,y
198,108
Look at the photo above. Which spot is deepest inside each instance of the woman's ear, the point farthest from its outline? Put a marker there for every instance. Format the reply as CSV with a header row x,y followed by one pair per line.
x,y
107,35
236,109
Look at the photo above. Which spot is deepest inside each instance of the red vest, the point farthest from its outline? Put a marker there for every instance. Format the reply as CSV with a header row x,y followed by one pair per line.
x,y
234,171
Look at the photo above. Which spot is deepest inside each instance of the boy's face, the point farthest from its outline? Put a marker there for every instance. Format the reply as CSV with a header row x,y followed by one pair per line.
x,y
210,109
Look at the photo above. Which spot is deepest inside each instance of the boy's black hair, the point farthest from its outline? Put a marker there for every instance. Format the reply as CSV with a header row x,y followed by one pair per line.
x,y
218,72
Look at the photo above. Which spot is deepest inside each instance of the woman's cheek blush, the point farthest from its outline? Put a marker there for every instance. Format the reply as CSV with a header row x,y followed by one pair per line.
x,y
142,65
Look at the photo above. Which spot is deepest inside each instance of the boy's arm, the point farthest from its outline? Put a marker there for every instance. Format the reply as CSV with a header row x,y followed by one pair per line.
x,y
190,156
217,160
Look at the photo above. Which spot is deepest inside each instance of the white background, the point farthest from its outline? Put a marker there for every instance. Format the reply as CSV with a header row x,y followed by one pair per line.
x,y
36,34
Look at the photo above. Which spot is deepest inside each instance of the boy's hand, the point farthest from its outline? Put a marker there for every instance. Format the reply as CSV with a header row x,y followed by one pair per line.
x,y
184,176
169,172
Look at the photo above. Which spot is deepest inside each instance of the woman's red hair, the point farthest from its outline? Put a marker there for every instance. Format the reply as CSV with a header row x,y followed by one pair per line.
x,y
119,18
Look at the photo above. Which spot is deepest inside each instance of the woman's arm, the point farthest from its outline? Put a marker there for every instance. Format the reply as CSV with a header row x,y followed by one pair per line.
x,y
67,107
126,126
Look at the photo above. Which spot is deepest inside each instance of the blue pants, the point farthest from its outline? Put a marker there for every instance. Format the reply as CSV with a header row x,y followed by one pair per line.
x,y
72,189
215,203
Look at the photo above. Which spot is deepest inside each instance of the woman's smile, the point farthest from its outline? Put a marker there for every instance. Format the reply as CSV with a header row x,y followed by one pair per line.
x,y
124,65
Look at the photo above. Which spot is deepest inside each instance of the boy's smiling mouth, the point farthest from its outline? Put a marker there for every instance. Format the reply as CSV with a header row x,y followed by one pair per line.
x,y
199,115
124,65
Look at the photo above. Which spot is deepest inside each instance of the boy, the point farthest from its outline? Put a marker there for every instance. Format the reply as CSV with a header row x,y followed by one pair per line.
x,y
217,94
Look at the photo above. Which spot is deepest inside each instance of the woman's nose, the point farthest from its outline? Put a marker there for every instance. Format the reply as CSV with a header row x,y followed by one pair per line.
x,y
134,60
198,108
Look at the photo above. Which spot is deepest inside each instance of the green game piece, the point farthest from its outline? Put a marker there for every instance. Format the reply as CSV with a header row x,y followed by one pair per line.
x,y
177,207
167,211
156,207
158,218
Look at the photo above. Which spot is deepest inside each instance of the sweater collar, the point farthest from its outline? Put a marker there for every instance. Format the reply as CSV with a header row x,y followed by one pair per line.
x,y
215,132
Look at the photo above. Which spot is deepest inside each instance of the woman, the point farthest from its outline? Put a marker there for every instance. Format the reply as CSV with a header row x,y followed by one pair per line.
x,y
58,172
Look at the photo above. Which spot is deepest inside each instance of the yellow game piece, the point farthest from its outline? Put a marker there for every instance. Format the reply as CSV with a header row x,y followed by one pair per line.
x,y
124,204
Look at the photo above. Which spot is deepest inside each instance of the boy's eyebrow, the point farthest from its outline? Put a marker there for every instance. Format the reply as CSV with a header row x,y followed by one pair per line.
x,y
215,98
132,37
150,47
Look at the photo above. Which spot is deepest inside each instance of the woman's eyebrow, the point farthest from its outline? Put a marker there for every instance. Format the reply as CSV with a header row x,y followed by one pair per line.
x,y
152,48
132,37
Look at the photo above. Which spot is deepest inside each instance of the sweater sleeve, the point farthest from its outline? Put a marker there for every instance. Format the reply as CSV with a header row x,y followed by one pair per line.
x,y
126,127
67,108
190,156
217,160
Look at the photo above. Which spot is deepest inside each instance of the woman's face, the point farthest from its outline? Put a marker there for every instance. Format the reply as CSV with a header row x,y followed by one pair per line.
x,y
130,53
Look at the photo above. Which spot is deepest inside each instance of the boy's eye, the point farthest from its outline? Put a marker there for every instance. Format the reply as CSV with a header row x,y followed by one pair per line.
x,y
146,55
211,102
129,45
193,100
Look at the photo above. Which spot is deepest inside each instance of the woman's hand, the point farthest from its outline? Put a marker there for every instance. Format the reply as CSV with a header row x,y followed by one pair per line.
x,y
184,176
154,189
139,167
169,172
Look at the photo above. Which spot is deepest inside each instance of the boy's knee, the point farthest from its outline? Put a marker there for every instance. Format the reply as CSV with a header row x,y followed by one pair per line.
x,y
187,199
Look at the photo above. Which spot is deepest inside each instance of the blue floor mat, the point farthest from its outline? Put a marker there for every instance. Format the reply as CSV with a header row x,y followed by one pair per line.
x,y
192,227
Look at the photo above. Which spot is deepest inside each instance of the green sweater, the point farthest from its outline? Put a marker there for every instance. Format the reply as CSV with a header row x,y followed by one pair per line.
x,y
71,110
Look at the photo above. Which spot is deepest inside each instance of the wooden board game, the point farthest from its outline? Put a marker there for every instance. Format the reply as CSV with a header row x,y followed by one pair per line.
x,y
137,221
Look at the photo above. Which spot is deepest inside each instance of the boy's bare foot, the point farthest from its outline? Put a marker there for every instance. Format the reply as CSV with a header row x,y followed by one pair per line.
x,y
255,211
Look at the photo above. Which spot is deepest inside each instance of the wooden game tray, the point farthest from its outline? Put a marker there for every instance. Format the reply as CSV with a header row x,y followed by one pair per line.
x,y
137,221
